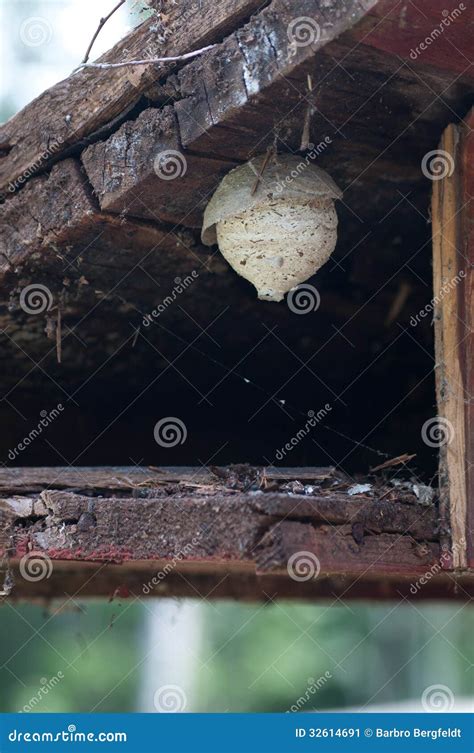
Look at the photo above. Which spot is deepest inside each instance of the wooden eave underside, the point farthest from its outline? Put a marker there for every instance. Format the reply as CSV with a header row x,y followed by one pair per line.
x,y
381,110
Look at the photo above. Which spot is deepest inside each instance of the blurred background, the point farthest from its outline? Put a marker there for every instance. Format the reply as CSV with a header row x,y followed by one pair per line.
x,y
42,41
198,655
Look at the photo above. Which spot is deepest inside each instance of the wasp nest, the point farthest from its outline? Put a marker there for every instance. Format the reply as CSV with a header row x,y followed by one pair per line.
x,y
275,223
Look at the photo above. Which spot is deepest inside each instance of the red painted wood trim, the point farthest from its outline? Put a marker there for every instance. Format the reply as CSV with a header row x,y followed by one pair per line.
x,y
430,33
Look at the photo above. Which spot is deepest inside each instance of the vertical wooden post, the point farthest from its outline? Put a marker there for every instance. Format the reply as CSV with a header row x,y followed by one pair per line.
x,y
453,257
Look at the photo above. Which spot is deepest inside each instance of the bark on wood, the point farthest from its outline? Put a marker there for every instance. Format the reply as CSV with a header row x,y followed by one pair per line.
x,y
453,248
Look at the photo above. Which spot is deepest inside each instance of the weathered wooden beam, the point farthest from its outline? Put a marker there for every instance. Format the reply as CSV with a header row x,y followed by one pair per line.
x,y
384,554
118,582
453,261
255,88
226,521
88,103
125,171
467,311
55,228
127,479
329,507
140,163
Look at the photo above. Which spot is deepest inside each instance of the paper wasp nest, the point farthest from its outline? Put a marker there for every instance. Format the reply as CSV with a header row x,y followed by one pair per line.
x,y
276,224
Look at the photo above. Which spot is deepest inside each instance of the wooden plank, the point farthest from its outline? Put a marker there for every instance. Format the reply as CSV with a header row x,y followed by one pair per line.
x,y
209,523
231,532
121,582
467,313
322,506
116,478
373,515
453,256
91,104
290,544
140,171
49,210
87,104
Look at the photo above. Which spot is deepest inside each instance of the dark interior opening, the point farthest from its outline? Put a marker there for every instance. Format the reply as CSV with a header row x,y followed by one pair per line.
x,y
240,374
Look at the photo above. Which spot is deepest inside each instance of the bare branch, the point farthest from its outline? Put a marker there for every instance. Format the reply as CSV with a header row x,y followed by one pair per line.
x,y
147,61
102,23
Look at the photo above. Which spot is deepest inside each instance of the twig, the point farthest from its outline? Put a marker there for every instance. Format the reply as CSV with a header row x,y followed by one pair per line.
x,y
148,61
102,23
270,152
304,146
399,460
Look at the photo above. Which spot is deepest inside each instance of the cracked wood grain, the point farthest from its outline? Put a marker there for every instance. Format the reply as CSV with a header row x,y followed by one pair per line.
x,y
88,100
453,257
171,531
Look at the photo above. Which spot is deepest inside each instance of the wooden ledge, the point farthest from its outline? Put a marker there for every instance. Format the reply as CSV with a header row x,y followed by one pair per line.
x,y
299,533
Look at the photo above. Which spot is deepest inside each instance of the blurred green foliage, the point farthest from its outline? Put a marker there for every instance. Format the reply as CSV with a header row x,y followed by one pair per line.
x,y
251,657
